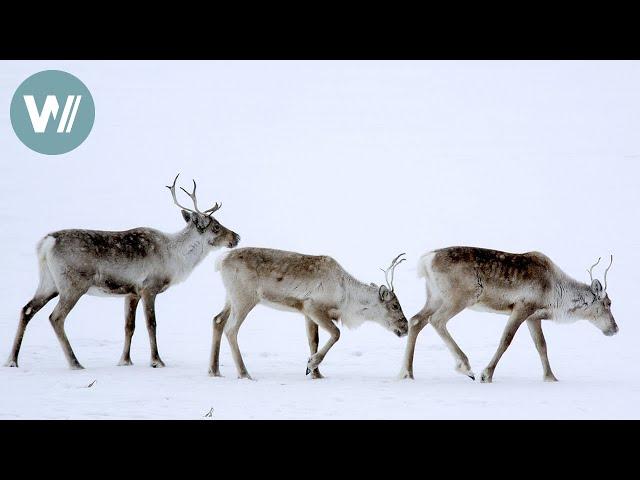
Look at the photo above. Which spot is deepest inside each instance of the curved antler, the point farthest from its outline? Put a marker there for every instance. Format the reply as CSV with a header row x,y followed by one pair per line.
x,y
172,188
394,263
605,273
192,196
216,207
591,269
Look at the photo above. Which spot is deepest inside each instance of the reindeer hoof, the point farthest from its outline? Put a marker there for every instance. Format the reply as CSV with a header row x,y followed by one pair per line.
x,y
215,373
11,363
312,363
405,375
550,379
76,366
464,369
157,363
125,363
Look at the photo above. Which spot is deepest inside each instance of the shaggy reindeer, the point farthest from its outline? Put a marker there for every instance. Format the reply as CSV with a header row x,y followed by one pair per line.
x,y
527,287
138,263
316,286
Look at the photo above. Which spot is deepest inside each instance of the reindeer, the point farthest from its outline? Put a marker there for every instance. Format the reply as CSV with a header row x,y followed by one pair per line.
x,y
316,286
138,263
527,287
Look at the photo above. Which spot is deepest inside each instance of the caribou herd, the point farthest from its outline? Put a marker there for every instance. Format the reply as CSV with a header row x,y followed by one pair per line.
x,y
141,263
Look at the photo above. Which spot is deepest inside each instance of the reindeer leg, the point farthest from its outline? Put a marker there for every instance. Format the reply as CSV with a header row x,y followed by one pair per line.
x,y
535,328
130,305
313,338
322,319
219,322
39,300
519,314
416,324
149,300
237,315
65,304
439,321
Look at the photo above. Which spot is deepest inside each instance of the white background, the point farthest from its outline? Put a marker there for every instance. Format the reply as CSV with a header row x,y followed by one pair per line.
x,y
358,160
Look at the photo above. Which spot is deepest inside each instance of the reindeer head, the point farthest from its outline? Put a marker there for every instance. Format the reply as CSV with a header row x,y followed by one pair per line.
x,y
598,309
216,235
390,313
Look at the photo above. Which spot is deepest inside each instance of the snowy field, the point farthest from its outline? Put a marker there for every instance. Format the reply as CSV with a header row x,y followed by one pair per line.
x,y
358,160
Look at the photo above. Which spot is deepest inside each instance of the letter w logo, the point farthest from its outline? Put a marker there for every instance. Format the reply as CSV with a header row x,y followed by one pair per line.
x,y
39,120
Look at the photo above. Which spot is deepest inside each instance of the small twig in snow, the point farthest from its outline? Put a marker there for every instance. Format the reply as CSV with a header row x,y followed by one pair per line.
x,y
92,383
209,414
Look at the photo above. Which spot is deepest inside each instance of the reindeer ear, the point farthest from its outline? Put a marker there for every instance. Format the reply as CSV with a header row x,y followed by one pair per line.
x,y
596,288
383,293
186,215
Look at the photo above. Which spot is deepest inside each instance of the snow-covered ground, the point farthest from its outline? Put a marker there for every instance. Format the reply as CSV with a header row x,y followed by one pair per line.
x,y
359,160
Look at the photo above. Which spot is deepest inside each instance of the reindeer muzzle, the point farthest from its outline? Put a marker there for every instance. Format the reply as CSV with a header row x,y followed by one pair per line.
x,y
234,241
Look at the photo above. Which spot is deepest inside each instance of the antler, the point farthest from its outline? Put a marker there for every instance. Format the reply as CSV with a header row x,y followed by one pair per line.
x,y
216,207
591,269
172,188
193,198
394,263
605,273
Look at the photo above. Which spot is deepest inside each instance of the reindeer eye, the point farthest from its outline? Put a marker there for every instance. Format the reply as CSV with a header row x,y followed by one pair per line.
x,y
396,306
215,228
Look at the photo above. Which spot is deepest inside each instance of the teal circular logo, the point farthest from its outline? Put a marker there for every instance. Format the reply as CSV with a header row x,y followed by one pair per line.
x,y
52,112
